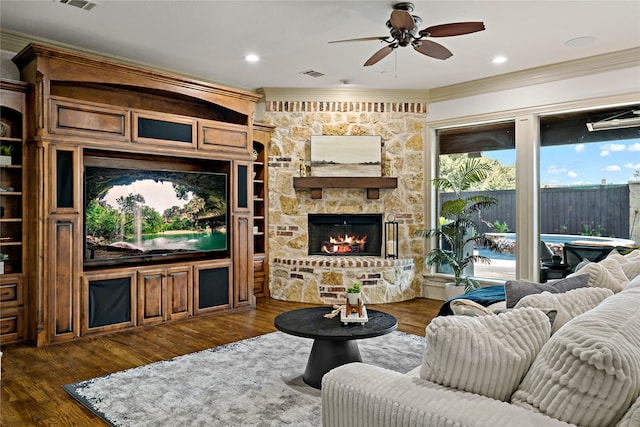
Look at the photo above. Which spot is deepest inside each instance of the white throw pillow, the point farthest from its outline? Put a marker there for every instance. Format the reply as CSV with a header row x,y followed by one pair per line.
x,y
633,255
467,307
631,269
568,304
635,283
629,263
487,355
588,373
607,273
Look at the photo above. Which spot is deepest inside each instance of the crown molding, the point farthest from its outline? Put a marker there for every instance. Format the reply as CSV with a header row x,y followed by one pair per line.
x,y
14,42
549,73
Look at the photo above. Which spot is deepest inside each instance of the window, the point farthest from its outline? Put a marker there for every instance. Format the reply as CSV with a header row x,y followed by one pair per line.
x,y
562,179
494,144
585,179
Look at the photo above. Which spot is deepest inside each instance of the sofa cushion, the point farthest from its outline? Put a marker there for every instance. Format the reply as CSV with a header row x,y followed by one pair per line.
x,y
635,283
515,290
607,273
568,305
632,416
486,355
630,263
588,373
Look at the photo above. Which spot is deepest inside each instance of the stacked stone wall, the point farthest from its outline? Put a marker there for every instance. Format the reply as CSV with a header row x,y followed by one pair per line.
x,y
401,127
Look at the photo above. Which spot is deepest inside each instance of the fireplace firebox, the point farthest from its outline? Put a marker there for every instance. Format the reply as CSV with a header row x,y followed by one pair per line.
x,y
345,234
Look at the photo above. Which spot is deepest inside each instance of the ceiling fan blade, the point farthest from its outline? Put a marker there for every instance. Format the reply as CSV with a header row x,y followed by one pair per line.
x,y
402,20
361,39
453,29
433,49
379,55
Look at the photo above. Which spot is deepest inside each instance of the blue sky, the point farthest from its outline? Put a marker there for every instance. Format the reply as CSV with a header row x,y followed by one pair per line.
x,y
583,164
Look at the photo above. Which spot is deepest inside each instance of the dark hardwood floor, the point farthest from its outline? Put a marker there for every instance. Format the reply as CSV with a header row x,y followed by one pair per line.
x,y
32,378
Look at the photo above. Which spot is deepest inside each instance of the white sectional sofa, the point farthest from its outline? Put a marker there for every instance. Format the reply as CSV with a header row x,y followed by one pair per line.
x,y
509,369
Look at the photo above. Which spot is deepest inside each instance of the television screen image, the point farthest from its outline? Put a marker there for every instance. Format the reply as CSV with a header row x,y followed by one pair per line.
x,y
139,216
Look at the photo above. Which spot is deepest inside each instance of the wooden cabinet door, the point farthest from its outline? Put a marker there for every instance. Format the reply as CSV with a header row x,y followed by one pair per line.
x,y
179,293
151,296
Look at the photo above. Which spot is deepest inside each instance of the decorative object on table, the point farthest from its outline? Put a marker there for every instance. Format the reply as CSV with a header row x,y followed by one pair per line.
x,y
354,300
354,292
5,154
457,232
336,310
391,237
357,314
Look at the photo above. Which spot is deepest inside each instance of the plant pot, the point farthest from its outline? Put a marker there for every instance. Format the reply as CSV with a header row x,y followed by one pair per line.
x,y
5,160
452,291
353,298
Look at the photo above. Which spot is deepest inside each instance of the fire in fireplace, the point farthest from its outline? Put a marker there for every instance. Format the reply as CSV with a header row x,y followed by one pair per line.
x,y
340,244
345,234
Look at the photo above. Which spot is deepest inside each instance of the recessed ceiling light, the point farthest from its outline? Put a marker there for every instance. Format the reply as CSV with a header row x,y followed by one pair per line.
x,y
81,4
252,58
580,41
499,59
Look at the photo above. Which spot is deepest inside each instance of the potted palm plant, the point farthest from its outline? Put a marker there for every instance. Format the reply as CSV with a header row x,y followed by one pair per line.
x,y
457,231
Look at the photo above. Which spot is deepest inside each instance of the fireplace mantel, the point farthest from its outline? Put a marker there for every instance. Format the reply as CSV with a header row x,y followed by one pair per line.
x,y
372,184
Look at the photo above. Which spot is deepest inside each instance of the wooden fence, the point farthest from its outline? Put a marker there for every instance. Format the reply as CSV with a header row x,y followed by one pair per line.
x,y
586,210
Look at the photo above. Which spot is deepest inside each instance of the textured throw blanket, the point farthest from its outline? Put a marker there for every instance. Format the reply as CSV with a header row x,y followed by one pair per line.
x,y
483,296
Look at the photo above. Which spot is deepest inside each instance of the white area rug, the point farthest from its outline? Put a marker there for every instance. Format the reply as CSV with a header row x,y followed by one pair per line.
x,y
254,382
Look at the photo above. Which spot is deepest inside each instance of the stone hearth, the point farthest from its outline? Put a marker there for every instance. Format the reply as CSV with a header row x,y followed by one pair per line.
x,y
324,279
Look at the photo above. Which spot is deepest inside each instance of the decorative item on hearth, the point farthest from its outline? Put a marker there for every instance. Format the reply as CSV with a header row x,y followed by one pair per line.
x,y
391,237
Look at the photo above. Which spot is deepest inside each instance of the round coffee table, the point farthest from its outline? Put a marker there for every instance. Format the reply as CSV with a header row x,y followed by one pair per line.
x,y
334,343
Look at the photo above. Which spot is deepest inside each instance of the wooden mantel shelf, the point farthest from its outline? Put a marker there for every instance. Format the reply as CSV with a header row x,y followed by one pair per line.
x,y
371,183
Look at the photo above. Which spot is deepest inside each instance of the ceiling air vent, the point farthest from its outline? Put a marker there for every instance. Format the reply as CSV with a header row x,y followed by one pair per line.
x,y
312,73
81,4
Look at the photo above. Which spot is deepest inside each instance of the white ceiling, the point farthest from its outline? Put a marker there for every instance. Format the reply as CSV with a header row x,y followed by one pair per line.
x,y
209,39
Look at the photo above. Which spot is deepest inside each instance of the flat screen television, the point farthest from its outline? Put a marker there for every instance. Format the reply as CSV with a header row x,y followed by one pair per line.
x,y
145,210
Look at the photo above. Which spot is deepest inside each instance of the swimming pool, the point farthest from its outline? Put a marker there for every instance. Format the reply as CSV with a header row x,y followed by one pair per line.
x,y
554,241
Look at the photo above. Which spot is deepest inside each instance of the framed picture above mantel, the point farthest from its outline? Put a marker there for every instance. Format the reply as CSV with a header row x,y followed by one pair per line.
x,y
350,156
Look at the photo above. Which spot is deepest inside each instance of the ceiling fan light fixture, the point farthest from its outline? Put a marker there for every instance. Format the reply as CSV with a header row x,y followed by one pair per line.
x,y
404,31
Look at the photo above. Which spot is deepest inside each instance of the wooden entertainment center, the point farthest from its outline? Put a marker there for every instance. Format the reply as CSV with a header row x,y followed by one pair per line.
x,y
80,108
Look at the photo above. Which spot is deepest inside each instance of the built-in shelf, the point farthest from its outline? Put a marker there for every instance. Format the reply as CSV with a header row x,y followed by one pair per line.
x,y
372,184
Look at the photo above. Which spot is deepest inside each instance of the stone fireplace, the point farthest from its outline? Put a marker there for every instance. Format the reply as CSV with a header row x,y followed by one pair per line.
x,y
299,270
345,234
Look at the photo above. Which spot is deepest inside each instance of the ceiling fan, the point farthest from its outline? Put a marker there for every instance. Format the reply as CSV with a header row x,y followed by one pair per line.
x,y
404,31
